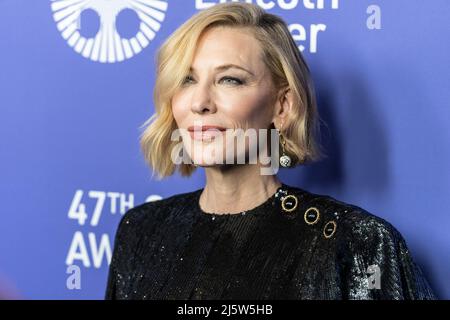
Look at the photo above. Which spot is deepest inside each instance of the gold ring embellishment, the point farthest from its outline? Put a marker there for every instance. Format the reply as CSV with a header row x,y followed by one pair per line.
x,y
312,215
289,203
329,229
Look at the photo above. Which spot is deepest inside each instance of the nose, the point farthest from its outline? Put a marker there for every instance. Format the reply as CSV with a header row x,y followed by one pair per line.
x,y
202,101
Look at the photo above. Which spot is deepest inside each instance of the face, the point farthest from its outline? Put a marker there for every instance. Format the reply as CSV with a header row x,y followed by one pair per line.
x,y
237,97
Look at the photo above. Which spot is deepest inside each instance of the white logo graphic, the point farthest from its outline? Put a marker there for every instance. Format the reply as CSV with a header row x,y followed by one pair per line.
x,y
107,45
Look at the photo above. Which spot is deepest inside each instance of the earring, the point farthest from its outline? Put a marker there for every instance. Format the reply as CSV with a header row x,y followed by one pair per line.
x,y
285,160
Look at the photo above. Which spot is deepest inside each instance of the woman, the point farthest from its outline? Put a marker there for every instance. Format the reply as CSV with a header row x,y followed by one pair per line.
x,y
246,235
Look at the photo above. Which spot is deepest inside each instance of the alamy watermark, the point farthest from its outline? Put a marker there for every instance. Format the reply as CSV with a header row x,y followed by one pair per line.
x,y
374,279
212,143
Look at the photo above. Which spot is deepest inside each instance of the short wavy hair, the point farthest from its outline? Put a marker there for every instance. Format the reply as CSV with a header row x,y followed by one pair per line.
x,y
282,57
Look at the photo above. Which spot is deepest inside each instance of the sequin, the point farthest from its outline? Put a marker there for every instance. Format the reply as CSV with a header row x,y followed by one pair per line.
x,y
170,249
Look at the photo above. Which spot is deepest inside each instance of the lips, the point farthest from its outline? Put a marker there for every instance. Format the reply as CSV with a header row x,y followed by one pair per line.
x,y
205,128
207,132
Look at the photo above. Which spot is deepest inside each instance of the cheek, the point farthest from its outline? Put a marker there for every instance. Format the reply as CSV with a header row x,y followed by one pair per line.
x,y
179,109
250,111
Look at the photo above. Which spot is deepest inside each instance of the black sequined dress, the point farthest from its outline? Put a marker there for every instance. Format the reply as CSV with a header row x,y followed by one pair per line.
x,y
295,245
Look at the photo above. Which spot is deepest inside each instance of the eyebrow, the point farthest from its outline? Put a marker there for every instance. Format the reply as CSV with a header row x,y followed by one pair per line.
x,y
226,67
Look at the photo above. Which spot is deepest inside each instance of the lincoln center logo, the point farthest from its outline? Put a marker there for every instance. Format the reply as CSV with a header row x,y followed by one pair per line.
x,y
92,27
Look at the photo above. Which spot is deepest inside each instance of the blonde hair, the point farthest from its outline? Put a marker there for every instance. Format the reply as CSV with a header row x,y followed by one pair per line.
x,y
282,57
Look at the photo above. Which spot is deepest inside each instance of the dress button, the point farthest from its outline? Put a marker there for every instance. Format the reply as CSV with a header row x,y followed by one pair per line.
x,y
329,229
289,203
312,215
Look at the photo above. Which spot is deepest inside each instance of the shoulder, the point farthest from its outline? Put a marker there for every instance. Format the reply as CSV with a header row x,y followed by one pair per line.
x,y
335,219
148,214
141,222
362,243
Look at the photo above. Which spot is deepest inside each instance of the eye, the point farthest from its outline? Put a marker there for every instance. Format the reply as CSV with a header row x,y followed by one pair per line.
x,y
188,78
228,80
233,80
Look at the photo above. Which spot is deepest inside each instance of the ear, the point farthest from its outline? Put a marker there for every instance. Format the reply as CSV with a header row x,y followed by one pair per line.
x,y
283,107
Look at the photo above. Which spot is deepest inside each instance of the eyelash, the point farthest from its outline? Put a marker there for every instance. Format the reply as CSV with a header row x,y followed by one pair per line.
x,y
239,81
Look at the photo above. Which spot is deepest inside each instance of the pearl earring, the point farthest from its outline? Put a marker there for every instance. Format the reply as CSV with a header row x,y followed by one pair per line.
x,y
285,160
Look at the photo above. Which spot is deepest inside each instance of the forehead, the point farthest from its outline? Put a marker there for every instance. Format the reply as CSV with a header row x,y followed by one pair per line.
x,y
231,45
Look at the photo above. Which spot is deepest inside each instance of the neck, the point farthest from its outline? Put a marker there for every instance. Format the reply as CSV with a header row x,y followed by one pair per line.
x,y
235,189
